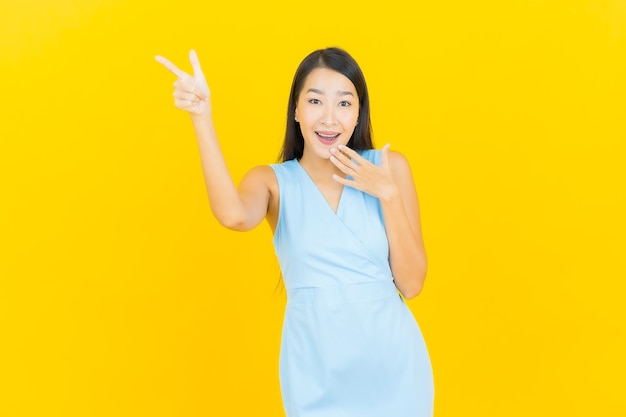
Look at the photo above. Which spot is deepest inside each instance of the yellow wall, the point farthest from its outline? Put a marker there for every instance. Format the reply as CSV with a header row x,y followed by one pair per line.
x,y
121,296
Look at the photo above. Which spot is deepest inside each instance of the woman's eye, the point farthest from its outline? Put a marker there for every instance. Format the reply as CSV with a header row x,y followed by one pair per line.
x,y
345,104
314,101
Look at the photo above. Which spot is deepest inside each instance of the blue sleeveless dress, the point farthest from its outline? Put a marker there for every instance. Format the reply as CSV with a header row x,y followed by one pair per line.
x,y
350,345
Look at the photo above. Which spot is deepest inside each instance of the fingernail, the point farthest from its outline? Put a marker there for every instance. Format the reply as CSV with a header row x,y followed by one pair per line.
x,y
333,150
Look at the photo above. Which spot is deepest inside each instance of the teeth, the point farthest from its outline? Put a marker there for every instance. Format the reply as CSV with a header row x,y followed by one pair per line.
x,y
328,136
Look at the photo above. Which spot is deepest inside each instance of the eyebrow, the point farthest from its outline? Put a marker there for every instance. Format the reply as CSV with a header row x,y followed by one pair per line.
x,y
340,93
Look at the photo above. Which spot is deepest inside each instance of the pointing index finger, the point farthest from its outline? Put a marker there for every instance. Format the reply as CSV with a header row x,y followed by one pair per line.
x,y
173,68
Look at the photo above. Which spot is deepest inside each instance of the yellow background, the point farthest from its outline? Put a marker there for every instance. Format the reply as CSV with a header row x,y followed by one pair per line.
x,y
120,295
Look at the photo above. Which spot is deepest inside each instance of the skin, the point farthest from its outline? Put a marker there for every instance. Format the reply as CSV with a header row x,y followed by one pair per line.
x,y
327,111
328,106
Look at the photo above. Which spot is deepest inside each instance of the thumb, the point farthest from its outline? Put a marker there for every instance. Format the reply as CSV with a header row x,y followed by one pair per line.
x,y
385,155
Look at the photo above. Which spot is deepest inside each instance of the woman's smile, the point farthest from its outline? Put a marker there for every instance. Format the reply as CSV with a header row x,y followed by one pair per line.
x,y
327,137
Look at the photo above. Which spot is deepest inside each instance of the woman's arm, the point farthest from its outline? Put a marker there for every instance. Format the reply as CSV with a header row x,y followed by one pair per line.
x,y
237,209
392,183
407,254
241,208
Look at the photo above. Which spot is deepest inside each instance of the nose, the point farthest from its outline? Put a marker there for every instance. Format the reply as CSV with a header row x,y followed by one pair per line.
x,y
328,117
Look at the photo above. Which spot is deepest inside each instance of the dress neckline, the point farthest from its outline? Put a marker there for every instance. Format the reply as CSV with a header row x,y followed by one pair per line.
x,y
319,192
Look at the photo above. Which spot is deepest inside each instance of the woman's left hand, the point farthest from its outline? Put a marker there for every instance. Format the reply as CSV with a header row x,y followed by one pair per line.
x,y
367,177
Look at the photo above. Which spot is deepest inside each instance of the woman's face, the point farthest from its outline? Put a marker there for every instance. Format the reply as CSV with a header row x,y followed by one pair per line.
x,y
327,110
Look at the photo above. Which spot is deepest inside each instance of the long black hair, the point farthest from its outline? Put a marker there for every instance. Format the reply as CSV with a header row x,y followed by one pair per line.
x,y
338,60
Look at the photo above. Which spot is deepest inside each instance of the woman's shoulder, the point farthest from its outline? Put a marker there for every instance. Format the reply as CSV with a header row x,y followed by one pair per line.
x,y
398,159
263,173
261,176
399,165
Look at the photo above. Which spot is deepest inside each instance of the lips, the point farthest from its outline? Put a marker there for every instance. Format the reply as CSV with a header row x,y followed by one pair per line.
x,y
327,137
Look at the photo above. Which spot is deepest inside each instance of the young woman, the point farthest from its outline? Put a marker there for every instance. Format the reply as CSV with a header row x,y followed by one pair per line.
x,y
347,236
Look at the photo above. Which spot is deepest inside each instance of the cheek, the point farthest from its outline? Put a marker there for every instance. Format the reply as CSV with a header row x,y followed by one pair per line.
x,y
351,119
309,116
350,126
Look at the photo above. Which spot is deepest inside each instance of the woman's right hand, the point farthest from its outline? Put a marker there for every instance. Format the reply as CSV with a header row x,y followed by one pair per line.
x,y
191,93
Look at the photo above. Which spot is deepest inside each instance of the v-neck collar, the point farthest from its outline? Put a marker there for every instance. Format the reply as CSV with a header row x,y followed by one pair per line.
x,y
319,192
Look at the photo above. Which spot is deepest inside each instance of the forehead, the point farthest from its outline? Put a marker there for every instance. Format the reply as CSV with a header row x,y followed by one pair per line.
x,y
328,81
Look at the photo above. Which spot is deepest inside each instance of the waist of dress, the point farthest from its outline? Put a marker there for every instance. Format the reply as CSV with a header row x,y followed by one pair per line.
x,y
348,293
